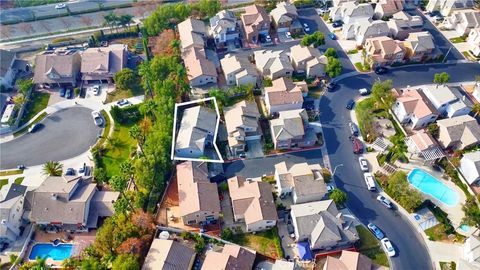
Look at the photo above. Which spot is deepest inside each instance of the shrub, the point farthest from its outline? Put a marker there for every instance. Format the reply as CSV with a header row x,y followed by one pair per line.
x,y
127,115
399,189
227,234
327,175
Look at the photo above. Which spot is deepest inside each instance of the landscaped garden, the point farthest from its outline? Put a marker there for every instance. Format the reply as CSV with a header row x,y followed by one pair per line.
x,y
37,102
267,242
370,247
398,188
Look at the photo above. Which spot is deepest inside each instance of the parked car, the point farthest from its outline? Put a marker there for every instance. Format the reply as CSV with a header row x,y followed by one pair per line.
x,y
306,28
288,34
97,118
290,229
364,91
60,6
439,18
381,70
268,38
104,43
70,171
336,24
96,90
33,128
332,36
385,201
363,164
388,247
376,231
69,93
353,128
122,102
350,104
433,13
357,145
331,86
21,167
330,188
62,91
370,181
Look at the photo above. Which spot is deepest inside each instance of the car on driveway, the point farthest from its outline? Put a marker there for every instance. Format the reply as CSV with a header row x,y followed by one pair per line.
x,y
386,202
381,70
439,18
376,231
97,118
96,90
122,102
363,164
336,24
69,93
62,91
60,6
388,247
306,27
350,104
70,171
332,36
331,86
288,34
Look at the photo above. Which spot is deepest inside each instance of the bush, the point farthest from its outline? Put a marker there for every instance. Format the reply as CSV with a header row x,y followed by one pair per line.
x,y
127,115
76,91
400,190
227,234
100,175
327,175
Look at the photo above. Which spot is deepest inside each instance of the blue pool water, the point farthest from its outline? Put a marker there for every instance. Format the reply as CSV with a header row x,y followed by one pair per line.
x,y
431,186
46,250
464,227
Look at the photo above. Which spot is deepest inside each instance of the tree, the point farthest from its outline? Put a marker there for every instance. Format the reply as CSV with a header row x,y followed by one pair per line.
x,y
441,78
125,20
433,130
330,52
132,245
472,213
52,168
338,196
476,109
382,94
38,264
118,183
126,262
126,79
110,20
334,67
316,39
207,8
24,85
227,234
19,99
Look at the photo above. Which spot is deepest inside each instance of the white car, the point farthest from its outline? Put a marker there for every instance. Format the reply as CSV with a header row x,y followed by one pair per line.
x,y
385,201
387,246
370,181
96,90
363,164
60,6
268,38
288,34
306,28
364,91
97,118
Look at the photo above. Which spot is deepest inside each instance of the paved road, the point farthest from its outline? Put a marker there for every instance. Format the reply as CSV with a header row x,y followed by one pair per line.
x,y
63,135
412,253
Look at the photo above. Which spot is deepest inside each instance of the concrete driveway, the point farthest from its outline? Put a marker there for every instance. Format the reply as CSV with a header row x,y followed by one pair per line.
x,y
255,149
62,135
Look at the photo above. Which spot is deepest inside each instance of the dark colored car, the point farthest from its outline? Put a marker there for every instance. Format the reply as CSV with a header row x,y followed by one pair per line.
x,y
337,24
70,171
357,145
331,86
434,13
350,104
62,91
381,70
69,93
332,36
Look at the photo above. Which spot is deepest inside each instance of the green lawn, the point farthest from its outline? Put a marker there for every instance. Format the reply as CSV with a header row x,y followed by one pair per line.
x,y
106,128
119,147
458,39
120,94
267,242
361,68
370,247
19,180
38,119
38,101
3,182
10,172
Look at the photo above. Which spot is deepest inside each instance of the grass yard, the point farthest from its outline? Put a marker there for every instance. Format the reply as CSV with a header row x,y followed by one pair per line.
x,y
121,94
267,243
106,128
19,180
359,66
438,233
38,101
10,172
370,247
38,119
3,182
458,39
119,147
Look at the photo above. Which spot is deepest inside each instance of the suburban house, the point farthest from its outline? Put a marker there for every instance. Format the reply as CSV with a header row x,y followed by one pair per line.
x,y
424,146
386,8
291,129
255,22
273,64
252,203
470,167
200,70
302,181
471,250
447,100
473,40
458,132
351,260
99,65
232,257
192,32
57,68
337,3
350,12
242,125
223,27
238,70
384,51
401,24
308,61
419,46
462,21
196,132
198,197
12,198
284,95
70,202
446,7
366,28
285,18
167,254
320,224
412,108
7,70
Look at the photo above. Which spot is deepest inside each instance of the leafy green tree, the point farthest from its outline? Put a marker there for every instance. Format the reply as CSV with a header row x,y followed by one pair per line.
x,y
207,8
334,67
111,20
166,16
125,20
338,196
331,52
400,190
382,93
118,183
19,99
100,175
433,130
476,109
316,39
38,264
441,78
126,262
52,168
472,212
227,234
399,148
126,79
24,85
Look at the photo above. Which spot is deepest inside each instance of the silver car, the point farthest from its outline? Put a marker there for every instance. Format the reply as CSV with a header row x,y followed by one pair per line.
x,y
363,164
97,118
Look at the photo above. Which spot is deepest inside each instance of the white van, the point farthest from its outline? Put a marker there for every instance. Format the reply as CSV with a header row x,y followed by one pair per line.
x,y
370,181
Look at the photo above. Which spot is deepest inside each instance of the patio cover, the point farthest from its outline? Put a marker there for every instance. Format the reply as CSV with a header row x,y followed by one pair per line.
x,y
432,154
304,251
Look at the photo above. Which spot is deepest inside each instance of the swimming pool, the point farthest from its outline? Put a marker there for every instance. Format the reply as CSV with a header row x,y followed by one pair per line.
x,y
49,251
431,186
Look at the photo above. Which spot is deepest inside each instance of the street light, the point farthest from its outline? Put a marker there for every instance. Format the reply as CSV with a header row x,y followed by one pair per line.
x,y
336,167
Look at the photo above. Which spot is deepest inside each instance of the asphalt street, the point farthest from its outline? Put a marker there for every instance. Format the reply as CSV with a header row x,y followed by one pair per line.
x,y
62,135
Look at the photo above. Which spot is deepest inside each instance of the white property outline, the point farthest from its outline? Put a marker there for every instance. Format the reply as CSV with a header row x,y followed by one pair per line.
x,y
172,156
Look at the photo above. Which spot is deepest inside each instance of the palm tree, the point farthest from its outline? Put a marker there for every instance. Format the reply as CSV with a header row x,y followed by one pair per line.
x,y
125,20
136,133
476,109
111,20
52,168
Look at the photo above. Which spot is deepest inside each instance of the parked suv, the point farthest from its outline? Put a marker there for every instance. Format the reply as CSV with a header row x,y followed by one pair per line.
x,y
353,128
